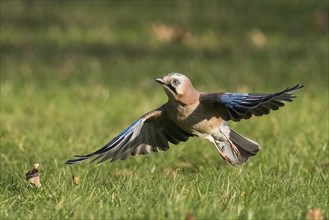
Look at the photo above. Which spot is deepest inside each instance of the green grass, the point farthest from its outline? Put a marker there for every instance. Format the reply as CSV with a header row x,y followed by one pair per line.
x,y
73,75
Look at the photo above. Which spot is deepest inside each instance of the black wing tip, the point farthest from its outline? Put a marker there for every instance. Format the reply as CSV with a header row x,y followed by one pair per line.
x,y
291,91
70,162
74,161
294,88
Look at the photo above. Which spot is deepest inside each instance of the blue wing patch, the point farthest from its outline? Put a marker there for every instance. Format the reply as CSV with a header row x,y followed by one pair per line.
x,y
150,133
244,105
123,136
231,99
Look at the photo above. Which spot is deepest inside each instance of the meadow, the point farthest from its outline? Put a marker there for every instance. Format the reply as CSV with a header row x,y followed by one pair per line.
x,y
75,74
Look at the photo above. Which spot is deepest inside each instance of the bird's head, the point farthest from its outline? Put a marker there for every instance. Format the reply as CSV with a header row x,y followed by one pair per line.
x,y
179,88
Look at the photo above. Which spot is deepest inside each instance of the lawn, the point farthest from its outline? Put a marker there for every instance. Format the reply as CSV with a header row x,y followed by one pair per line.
x,y
75,74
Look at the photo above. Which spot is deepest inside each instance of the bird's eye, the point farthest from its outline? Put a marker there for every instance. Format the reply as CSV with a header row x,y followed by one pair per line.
x,y
176,82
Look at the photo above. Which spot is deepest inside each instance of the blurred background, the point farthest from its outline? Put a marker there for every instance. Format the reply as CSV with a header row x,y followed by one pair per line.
x,y
75,73
70,68
220,45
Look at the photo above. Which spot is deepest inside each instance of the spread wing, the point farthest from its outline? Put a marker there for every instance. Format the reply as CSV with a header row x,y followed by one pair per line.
x,y
150,133
238,106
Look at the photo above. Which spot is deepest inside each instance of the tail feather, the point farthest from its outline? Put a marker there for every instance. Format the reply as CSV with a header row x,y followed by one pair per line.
x,y
247,147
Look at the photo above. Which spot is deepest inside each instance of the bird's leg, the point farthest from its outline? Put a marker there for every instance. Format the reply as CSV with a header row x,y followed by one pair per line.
x,y
220,146
228,151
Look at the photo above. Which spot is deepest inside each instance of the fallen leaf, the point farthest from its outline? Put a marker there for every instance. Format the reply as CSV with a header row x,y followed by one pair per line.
x,y
33,176
75,180
189,216
314,214
167,33
258,38
320,19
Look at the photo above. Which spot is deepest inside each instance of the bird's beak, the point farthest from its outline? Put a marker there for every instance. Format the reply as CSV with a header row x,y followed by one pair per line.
x,y
166,85
161,81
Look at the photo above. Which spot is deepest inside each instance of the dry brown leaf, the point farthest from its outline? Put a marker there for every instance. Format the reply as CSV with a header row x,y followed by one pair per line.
x,y
189,216
33,176
75,180
320,19
258,38
314,214
167,33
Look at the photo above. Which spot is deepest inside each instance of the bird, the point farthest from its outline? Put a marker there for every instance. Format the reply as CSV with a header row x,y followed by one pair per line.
x,y
190,113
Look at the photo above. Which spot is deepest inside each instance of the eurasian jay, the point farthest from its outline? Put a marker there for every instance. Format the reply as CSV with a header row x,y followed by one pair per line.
x,y
189,113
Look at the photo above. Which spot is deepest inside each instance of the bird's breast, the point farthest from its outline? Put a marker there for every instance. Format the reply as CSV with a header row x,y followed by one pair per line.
x,y
206,126
197,119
